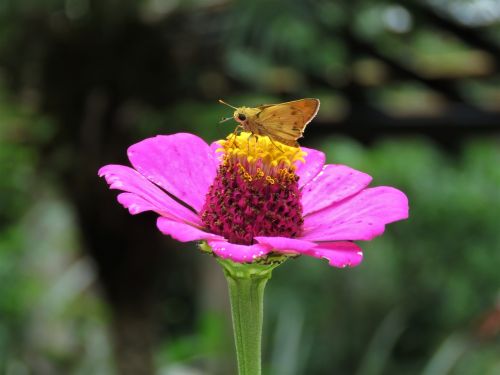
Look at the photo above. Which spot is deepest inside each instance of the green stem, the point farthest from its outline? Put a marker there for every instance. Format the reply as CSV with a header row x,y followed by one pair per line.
x,y
246,284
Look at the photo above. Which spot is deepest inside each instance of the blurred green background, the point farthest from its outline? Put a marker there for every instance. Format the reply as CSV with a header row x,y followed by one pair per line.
x,y
410,94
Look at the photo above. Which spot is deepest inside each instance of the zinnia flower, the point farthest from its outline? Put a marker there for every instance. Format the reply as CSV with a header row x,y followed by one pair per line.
x,y
250,198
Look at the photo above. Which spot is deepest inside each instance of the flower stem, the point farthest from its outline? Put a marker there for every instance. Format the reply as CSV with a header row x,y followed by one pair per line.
x,y
246,284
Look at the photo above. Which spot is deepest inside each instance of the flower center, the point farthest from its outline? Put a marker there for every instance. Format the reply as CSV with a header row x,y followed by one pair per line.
x,y
255,192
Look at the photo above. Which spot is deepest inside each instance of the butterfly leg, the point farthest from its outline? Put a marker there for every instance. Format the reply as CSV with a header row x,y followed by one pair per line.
x,y
275,145
235,133
248,141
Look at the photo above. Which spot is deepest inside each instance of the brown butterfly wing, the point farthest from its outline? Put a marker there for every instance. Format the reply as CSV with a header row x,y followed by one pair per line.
x,y
285,122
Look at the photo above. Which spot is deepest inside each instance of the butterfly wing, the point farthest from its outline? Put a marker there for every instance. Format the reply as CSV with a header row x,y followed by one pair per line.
x,y
285,122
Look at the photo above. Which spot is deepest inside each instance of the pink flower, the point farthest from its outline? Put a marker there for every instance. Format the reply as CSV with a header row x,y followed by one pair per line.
x,y
248,198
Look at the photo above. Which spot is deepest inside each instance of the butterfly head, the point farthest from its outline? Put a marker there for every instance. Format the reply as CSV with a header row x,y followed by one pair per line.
x,y
241,114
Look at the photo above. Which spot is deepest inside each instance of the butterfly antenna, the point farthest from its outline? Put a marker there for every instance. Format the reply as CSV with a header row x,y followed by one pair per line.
x,y
229,105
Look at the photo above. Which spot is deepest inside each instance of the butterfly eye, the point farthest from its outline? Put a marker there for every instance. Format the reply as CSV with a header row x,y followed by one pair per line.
x,y
242,117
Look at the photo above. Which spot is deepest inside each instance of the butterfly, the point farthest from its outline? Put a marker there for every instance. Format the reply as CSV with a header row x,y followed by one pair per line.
x,y
282,122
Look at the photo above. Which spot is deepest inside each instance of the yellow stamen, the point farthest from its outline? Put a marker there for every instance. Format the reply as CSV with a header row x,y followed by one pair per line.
x,y
252,148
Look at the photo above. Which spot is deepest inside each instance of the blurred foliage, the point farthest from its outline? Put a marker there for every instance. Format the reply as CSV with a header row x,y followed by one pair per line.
x,y
47,313
17,164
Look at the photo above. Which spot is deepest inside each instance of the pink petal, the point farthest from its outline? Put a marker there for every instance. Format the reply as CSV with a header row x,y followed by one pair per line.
x,y
339,254
134,203
238,253
360,217
314,163
214,146
129,180
332,184
182,164
284,244
183,232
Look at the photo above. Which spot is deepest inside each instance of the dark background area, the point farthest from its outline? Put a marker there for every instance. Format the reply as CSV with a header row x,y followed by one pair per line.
x,y
410,94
